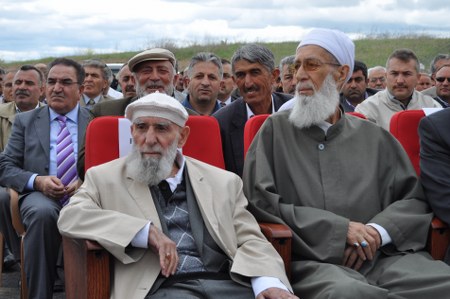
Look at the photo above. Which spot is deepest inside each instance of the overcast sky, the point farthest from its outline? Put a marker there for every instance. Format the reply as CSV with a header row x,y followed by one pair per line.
x,y
42,28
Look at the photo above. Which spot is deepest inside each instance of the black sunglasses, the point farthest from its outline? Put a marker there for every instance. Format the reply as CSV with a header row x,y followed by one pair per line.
x,y
442,79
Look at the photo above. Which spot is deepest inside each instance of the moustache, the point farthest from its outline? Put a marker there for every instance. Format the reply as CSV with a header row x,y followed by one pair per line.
x,y
251,88
22,92
130,88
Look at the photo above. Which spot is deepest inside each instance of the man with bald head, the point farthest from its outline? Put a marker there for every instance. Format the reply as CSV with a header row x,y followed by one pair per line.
x,y
354,236
177,227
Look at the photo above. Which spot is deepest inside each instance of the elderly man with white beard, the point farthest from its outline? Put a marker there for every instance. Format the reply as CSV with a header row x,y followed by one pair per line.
x,y
177,227
344,186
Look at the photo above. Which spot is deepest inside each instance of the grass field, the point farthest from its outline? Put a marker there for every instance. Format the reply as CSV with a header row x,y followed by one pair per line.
x,y
372,51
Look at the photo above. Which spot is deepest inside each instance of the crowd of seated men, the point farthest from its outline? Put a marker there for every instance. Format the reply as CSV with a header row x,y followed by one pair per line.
x,y
175,226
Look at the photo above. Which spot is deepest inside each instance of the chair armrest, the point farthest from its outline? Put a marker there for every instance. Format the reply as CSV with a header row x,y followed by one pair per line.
x,y
280,236
16,218
86,269
438,239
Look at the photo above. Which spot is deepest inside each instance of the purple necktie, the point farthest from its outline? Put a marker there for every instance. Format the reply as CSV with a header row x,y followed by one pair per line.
x,y
66,169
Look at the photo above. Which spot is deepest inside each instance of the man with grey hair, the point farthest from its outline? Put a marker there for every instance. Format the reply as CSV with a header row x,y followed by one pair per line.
x,y
95,83
288,81
254,71
437,62
154,211
400,94
354,236
205,75
110,91
377,77
152,70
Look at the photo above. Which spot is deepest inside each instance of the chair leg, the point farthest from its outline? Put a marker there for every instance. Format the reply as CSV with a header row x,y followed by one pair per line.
x,y
2,248
23,277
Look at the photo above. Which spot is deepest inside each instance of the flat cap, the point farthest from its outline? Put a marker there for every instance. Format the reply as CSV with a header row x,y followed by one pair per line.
x,y
157,105
151,54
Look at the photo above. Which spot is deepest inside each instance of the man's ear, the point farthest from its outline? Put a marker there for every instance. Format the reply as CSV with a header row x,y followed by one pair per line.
x,y
175,79
275,74
343,71
184,134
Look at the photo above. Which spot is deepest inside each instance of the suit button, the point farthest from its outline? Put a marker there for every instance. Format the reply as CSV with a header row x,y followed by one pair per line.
x,y
321,147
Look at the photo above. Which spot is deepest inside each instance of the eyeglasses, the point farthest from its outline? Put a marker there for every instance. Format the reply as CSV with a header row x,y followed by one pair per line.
x,y
442,79
63,82
312,64
381,79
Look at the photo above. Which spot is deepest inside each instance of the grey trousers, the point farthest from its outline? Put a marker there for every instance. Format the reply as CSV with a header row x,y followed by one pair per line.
x,y
204,289
409,276
42,243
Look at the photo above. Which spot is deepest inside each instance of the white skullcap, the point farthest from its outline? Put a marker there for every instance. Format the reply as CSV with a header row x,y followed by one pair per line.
x,y
157,105
335,42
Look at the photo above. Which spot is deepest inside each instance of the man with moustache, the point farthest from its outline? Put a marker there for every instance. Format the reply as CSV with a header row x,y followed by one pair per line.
x,y
205,76
403,70
7,86
152,70
126,82
254,71
288,81
177,227
354,236
27,88
33,165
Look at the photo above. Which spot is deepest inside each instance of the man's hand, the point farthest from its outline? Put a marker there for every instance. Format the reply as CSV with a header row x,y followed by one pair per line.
x,y
166,248
363,241
70,189
50,186
275,293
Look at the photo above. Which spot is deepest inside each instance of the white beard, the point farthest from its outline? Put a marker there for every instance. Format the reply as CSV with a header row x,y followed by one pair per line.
x,y
152,171
311,110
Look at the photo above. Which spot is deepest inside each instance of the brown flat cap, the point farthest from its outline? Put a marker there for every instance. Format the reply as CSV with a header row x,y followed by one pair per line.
x,y
151,54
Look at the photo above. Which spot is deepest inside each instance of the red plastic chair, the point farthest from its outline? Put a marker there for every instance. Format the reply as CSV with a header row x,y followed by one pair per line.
x,y
251,128
404,126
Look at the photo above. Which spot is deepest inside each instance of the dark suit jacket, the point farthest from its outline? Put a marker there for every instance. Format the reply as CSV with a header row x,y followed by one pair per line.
x,y
348,108
434,133
28,149
232,119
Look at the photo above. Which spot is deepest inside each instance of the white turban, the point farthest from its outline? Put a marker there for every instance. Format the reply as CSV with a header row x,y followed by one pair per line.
x,y
335,42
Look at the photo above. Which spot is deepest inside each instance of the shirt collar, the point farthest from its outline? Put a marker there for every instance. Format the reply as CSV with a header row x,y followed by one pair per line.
x,y
19,111
250,113
72,115
178,178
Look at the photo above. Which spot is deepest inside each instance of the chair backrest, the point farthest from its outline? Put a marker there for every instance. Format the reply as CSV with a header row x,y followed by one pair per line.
x,y
404,126
251,128
104,143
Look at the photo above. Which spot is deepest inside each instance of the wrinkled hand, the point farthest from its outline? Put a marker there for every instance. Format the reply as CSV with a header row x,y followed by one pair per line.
x,y
275,293
71,188
166,249
50,186
354,256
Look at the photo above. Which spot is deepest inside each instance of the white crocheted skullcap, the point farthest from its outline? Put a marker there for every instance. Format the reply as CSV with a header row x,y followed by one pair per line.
x,y
335,42
157,105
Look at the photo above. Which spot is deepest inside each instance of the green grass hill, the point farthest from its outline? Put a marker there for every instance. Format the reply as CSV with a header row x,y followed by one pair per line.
x,y
372,51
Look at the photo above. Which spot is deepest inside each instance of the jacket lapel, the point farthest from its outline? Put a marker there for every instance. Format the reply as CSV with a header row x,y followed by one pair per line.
x,y
143,198
42,127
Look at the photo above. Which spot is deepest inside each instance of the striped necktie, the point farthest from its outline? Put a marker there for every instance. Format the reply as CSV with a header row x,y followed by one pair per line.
x,y
66,169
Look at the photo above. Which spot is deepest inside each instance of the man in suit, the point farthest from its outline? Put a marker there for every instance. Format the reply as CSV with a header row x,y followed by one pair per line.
x,y
227,86
434,136
355,90
254,70
27,88
95,83
155,212
31,164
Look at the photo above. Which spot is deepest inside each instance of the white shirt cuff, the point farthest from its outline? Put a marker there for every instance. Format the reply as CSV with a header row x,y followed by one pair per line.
x,y
261,283
385,238
141,238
